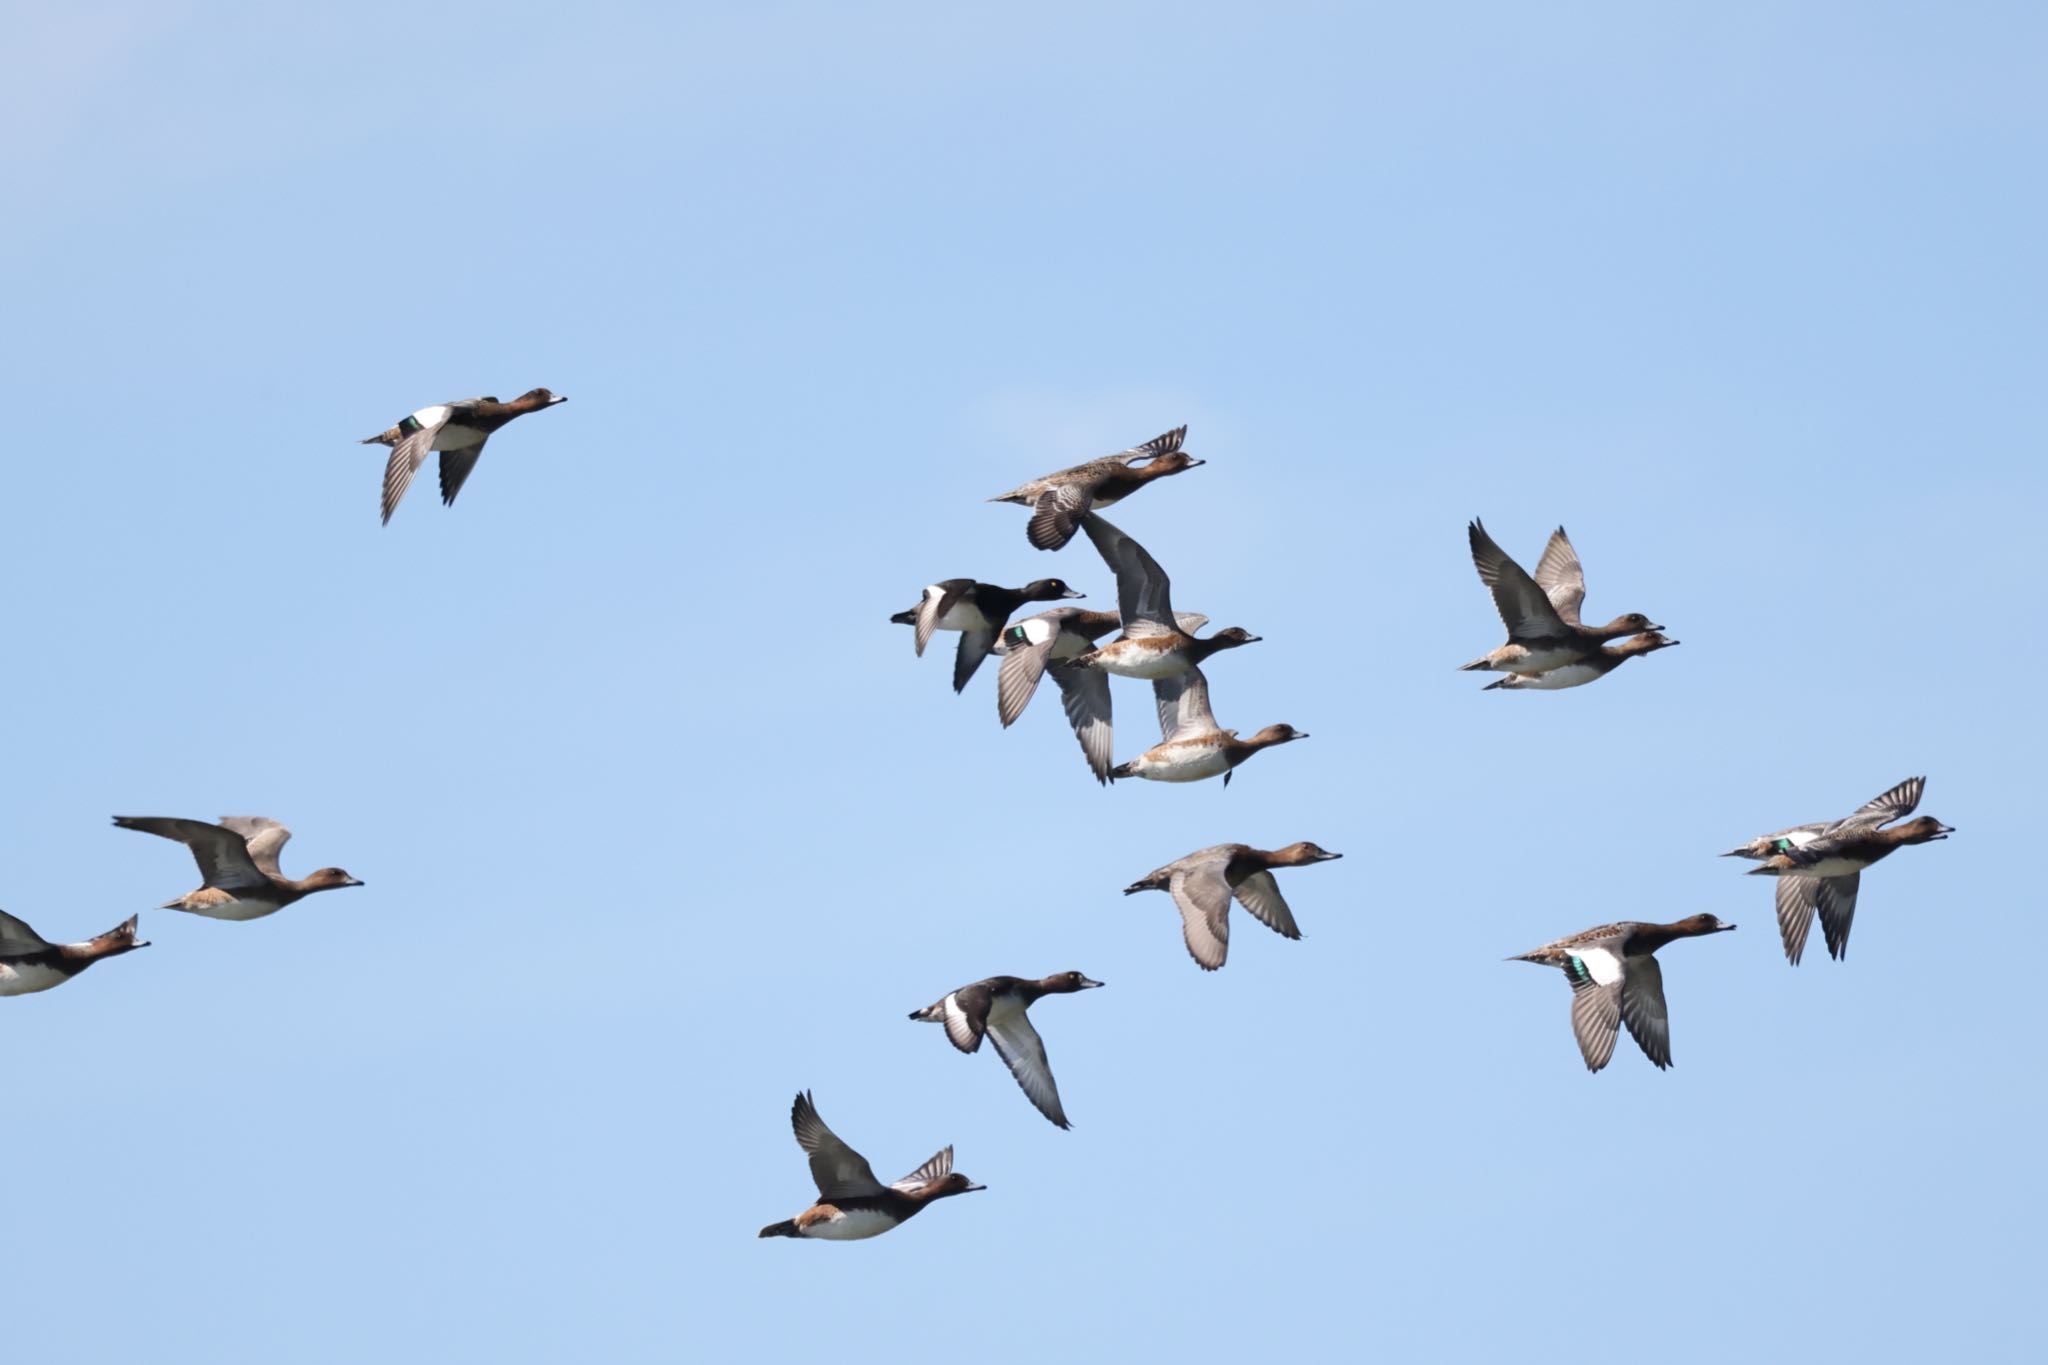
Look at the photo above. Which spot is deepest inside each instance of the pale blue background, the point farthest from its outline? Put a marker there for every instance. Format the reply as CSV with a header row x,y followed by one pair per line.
x,y
661,820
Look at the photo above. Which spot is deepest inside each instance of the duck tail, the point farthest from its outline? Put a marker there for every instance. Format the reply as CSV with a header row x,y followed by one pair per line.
x,y
930,1014
1120,770
786,1228
1475,665
1507,682
1150,882
905,618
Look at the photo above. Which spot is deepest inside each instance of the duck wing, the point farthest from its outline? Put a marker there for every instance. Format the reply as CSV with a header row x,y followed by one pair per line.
x,y
1204,900
1895,804
1260,894
1524,608
1060,509
1084,692
840,1172
934,1170
1796,897
416,438
16,937
1561,577
974,647
1027,646
1642,1009
455,469
935,604
1143,591
1837,905
1183,702
222,854
965,1014
1164,444
264,838
1023,1051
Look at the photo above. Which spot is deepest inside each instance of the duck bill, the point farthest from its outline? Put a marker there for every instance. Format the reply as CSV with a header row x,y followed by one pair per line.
x,y
1329,857
974,1189
1088,985
1071,593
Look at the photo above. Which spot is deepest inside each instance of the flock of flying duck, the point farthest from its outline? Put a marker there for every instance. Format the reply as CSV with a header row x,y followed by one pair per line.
x,y
1614,975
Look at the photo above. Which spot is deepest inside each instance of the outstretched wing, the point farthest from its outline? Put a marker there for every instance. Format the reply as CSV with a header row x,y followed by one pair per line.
x,y
1059,511
935,1169
1183,701
1143,591
1796,897
1895,804
1524,608
840,1172
1023,1051
455,468
1028,645
1260,894
1084,692
1837,905
17,937
1204,900
265,839
222,854
1596,1020
938,599
1642,1009
1560,576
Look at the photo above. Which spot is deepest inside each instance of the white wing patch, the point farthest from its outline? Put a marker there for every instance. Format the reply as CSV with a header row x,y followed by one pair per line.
x,y
1602,964
958,1026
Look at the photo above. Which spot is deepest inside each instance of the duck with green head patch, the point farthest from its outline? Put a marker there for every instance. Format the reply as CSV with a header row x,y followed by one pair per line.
x,y
1616,980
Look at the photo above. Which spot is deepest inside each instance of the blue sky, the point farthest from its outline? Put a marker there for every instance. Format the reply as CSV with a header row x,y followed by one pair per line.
x,y
661,821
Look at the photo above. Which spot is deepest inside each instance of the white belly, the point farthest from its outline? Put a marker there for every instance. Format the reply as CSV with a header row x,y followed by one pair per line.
x,y
851,1227
233,910
1181,763
1148,664
18,978
1571,675
1543,660
1832,867
962,615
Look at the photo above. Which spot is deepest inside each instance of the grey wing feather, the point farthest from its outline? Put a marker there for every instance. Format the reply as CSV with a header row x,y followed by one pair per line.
x,y
1892,805
1561,577
1796,897
1084,692
1017,679
455,468
1642,1009
1837,905
405,461
1164,444
1260,894
935,1169
222,854
17,937
974,647
838,1170
1596,1021
1524,608
1058,511
930,608
1023,1051
1184,705
1204,900
266,839
1143,591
